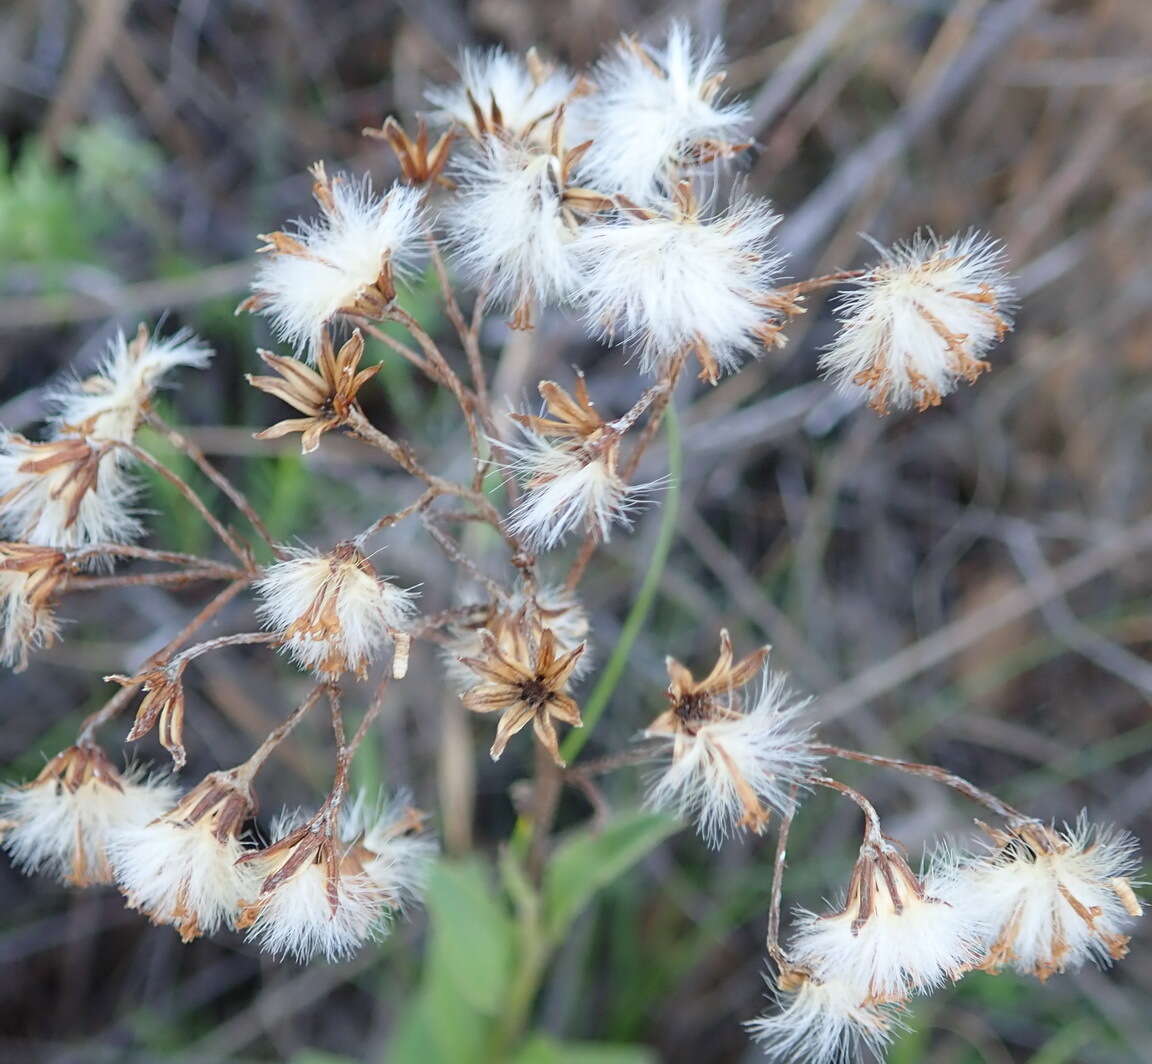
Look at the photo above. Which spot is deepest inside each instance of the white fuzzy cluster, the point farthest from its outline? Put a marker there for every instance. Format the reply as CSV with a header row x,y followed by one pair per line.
x,y
109,404
824,1022
180,873
335,613
60,506
397,861
494,78
766,749
506,228
654,108
566,490
663,284
1051,912
64,833
891,953
345,250
297,918
24,625
922,320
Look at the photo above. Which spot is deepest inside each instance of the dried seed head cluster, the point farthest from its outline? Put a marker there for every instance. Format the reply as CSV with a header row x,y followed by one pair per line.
x,y
550,192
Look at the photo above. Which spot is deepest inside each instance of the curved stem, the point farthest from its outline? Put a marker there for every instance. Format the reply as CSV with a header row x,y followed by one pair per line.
x,y
932,772
872,832
248,769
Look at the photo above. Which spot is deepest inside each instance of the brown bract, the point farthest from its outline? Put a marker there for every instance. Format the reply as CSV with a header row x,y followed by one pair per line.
x,y
419,163
43,570
326,395
525,683
163,702
75,461
694,703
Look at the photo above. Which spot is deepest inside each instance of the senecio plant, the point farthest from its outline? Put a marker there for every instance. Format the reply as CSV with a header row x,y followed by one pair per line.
x,y
602,196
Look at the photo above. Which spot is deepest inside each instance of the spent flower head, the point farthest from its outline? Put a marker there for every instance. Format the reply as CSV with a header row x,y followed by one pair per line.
x,y
30,578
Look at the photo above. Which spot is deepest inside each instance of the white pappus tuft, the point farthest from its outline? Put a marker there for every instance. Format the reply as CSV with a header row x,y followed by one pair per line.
x,y
182,868
726,767
68,492
343,262
665,282
29,577
894,935
1053,899
656,111
502,93
385,837
60,823
823,1022
508,229
333,610
921,321
110,403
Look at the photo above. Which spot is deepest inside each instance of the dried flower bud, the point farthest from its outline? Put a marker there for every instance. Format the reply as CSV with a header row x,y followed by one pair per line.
x,y
730,765
525,678
111,403
332,610
674,280
921,321
502,94
894,934
68,492
823,1022
163,703
343,263
419,163
59,824
29,580
326,398
181,869
657,111
1053,899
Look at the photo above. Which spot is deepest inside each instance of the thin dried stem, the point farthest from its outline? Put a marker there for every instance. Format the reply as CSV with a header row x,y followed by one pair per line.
x,y
778,864
388,520
872,832
932,772
275,737
180,578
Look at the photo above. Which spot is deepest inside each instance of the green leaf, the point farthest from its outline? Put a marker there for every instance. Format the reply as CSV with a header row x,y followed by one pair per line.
x,y
542,1050
472,934
590,860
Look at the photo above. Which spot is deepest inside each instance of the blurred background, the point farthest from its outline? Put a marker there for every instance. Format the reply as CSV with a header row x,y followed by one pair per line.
x,y
968,586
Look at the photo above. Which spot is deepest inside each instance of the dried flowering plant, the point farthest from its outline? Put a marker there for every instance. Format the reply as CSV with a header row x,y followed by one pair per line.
x,y
541,193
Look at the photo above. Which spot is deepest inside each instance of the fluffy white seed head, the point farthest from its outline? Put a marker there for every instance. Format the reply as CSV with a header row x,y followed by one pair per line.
x,y
823,1022
656,111
920,322
181,869
341,262
29,577
565,490
723,768
60,823
312,913
666,282
386,837
334,611
506,225
522,93
1053,899
110,403
895,934
64,493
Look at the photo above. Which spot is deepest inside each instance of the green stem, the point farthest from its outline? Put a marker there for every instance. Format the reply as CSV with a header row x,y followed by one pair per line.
x,y
610,676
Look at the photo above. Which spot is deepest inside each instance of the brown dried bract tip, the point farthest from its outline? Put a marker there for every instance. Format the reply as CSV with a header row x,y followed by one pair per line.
x,y
881,881
572,417
326,395
163,702
693,703
311,843
419,163
526,683
41,570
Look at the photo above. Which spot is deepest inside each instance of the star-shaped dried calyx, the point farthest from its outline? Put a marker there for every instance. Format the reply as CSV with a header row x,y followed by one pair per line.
x,y
326,395
163,704
419,163
524,679
694,703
